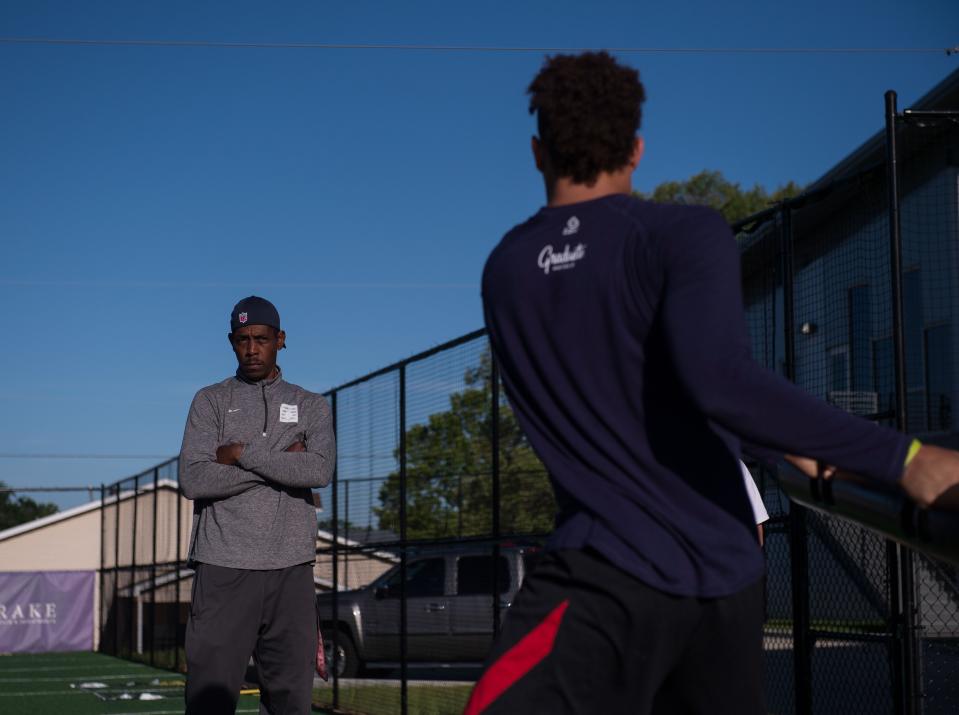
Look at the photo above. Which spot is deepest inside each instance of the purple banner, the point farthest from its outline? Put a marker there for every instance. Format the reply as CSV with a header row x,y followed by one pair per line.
x,y
46,611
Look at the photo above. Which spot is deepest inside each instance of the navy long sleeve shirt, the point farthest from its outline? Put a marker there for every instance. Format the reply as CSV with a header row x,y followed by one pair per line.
x,y
619,329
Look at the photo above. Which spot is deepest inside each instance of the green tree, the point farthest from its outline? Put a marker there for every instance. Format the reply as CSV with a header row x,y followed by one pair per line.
x,y
449,471
15,511
711,188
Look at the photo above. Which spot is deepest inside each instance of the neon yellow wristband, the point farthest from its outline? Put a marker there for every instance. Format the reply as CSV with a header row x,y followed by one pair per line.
x,y
913,451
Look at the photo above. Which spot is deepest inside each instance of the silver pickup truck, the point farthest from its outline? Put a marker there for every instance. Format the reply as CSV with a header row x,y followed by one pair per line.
x,y
449,609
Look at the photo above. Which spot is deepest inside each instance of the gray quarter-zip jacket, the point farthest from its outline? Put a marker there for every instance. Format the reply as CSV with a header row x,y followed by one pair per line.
x,y
258,514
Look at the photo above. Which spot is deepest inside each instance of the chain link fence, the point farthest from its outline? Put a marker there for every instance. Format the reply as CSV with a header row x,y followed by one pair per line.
x,y
836,282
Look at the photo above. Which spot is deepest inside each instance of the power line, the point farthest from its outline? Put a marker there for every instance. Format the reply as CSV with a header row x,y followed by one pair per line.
x,y
193,284
18,455
471,48
11,490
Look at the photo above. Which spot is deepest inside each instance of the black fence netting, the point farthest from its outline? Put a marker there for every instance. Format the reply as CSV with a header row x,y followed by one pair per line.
x,y
929,215
439,506
861,625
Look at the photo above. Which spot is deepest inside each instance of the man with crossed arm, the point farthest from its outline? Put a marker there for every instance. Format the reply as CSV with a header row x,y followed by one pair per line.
x,y
253,448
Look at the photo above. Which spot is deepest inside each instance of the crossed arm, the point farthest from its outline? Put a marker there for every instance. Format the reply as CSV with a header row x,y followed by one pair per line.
x,y
209,470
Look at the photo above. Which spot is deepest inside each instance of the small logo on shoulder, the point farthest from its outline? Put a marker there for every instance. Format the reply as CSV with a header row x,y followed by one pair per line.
x,y
551,260
572,226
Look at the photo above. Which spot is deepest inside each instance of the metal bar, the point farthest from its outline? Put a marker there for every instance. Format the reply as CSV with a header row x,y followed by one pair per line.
x,y
336,569
153,571
404,705
798,532
895,263
103,562
459,504
494,458
116,572
179,557
133,562
896,650
902,596
883,509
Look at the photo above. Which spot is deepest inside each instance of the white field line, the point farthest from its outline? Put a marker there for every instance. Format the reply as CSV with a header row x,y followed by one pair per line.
x,y
46,692
67,678
136,689
101,691
92,666
76,658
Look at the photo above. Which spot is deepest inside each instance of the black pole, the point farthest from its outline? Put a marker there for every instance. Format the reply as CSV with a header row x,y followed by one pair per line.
x,y
459,505
116,572
494,457
403,624
902,588
895,262
133,567
798,536
153,570
336,568
179,558
103,564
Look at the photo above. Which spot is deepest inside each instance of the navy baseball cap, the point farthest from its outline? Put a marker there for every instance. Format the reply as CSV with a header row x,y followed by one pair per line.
x,y
254,311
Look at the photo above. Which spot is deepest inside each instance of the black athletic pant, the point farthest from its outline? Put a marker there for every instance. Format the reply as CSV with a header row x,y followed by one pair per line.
x,y
583,636
235,613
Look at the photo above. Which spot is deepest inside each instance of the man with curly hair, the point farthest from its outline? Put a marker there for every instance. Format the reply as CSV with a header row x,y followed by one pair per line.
x,y
619,328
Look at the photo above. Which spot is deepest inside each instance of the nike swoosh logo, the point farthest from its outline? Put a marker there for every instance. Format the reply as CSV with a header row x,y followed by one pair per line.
x,y
236,410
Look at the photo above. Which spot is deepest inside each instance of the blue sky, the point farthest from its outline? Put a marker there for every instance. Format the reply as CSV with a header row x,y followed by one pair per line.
x,y
143,190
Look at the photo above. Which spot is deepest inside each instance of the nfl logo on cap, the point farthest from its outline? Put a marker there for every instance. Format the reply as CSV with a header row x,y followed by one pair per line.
x,y
242,317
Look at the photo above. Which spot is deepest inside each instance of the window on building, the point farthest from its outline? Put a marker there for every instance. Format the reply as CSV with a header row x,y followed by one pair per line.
x,y
860,339
912,330
883,369
839,369
938,378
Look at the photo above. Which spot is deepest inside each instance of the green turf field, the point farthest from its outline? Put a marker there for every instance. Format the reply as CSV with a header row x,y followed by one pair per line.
x,y
81,683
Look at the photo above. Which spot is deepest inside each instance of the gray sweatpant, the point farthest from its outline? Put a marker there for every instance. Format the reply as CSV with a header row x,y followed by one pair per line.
x,y
236,612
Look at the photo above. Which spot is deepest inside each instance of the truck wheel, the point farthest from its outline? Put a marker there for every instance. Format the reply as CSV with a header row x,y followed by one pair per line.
x,y
347,663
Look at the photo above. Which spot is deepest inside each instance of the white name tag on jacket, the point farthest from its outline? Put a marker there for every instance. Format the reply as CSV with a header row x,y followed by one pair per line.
x,y
289,413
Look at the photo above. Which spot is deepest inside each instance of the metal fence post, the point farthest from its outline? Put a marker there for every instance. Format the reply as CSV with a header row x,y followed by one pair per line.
x,y
336,568
905,659
179,558
134,612
103,562
798,533
153,569
116,571
403,623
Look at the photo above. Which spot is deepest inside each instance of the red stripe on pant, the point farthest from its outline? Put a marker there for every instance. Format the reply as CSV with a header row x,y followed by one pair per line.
x,y
516,662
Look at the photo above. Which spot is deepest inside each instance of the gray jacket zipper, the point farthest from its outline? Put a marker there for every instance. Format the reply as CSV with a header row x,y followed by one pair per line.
x,y
266,408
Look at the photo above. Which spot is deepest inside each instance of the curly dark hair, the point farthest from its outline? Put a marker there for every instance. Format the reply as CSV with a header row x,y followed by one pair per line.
x,y
588,108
